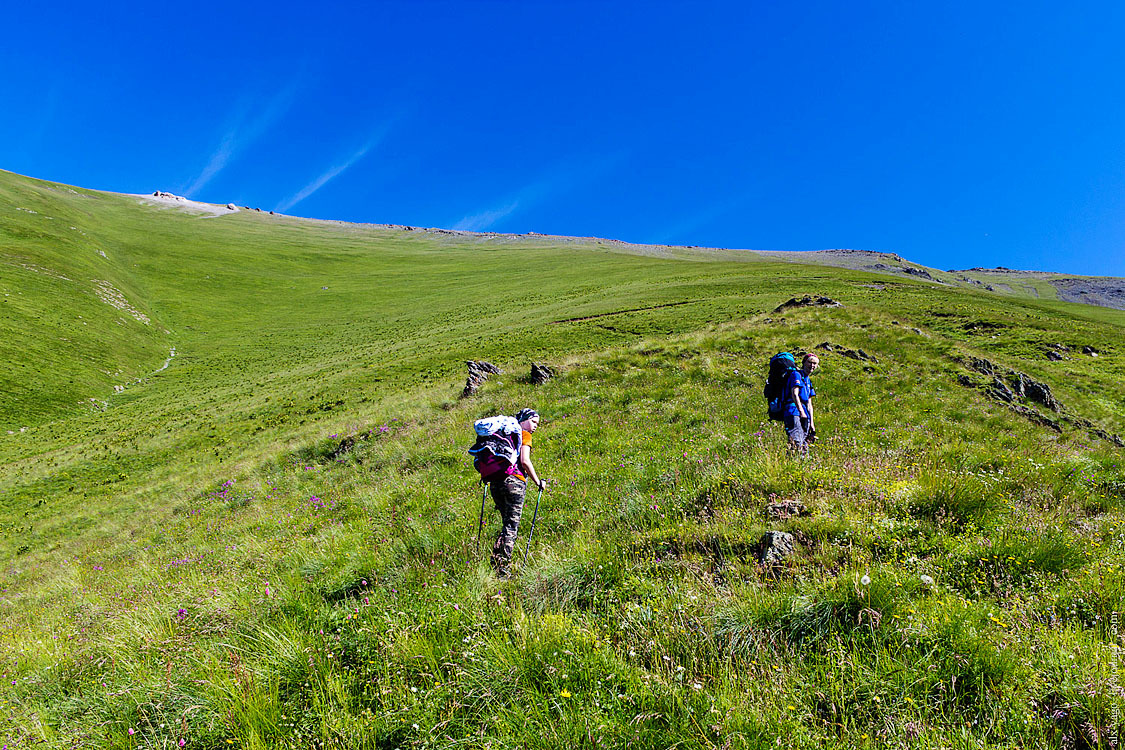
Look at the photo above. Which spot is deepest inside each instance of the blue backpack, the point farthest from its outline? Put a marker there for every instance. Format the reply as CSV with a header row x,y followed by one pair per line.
x,y
781,364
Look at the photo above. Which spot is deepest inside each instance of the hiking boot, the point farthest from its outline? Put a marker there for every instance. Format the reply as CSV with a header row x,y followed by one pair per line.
x,y
504,572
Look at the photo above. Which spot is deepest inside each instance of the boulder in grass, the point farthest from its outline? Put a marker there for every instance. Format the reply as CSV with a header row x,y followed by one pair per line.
x,y
786,509
807,301
540,374
857,354
775,546
1036,391
1000,391
983,366
478,373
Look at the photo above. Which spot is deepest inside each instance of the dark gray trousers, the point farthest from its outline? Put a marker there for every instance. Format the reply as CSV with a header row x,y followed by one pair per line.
x,y
507,494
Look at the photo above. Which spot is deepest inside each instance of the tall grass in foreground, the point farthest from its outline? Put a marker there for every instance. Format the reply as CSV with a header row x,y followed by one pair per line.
x,y
333,598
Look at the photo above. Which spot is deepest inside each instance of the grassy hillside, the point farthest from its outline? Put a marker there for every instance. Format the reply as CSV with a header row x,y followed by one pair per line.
x,y
270,543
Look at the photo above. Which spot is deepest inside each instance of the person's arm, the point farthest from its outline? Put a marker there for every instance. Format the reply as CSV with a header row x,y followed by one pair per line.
x,y
797,401
528,467
810,413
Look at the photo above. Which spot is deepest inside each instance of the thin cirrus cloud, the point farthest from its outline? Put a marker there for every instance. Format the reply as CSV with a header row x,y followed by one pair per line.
x,y
485,219
247,128
525,198
552,184
326,177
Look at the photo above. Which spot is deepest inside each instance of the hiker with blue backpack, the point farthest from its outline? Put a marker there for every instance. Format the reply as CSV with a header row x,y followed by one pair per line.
x,y
502,456
789,392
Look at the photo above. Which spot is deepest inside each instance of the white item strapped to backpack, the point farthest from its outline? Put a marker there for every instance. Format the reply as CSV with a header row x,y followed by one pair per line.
x,y
493,425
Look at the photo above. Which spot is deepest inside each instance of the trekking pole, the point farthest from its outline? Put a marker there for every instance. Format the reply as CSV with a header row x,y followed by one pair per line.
x,y
533,517
480,523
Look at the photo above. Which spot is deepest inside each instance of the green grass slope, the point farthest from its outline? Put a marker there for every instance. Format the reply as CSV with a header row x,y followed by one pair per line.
x,y
75,318
270,543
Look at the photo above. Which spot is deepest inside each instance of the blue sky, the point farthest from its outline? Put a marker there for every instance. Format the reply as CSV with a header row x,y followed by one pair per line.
x,y
956,134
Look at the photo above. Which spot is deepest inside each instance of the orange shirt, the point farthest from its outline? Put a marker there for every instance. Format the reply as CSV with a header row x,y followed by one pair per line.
x,y
526,438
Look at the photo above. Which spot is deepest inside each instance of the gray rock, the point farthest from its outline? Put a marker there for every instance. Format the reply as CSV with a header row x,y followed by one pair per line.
x,y
786,509
807,301
1000,390
1086,424
918,272
540,374
478,373
1035,416
1036,391
983,366
775,547
850,353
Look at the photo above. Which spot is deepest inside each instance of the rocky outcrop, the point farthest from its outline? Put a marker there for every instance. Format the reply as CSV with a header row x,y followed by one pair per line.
x,y
1038,392
1014,389
1093,429
1008,385
1057,352
540,374
1090,290
982,366
1000,391
478,373
920,272
807,301
786,509
857,354
775,546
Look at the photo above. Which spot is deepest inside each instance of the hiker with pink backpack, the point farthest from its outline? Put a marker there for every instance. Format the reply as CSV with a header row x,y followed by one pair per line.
x,y
502,456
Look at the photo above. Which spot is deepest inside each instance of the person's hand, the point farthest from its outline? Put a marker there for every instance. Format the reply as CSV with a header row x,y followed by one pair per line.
x,y
542,483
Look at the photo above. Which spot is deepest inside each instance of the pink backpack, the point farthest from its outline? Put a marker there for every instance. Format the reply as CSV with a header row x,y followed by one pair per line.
x,y
496,453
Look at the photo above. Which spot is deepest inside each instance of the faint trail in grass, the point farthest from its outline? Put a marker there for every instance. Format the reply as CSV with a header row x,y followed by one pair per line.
x,y
622,312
